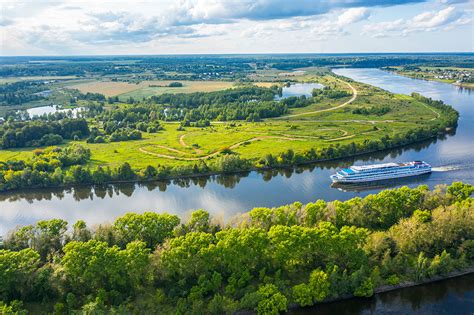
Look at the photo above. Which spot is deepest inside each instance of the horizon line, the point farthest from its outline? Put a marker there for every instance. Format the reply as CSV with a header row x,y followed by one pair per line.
x,y
247,54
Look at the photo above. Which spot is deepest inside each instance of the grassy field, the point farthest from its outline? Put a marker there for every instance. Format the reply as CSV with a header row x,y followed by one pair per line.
x,y
149,88
336,125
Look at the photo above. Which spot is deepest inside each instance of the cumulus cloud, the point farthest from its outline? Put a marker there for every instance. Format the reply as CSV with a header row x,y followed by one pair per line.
x,y
50,24
208,11
353,15
4,21
424,22
321,28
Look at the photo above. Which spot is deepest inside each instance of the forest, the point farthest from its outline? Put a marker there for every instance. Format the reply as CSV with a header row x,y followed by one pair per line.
x,y
266,260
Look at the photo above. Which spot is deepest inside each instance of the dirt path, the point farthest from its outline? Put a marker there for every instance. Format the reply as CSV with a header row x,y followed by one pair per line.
x,y
181,141
353,98
437,114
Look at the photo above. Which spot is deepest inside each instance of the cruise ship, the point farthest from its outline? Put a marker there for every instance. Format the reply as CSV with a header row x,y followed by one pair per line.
x,y
375,172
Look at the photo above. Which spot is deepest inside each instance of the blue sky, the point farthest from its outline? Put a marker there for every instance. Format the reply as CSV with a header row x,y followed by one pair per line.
x,y
85,27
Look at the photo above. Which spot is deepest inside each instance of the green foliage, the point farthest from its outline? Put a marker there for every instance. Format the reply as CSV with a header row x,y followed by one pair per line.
x,y
393,280
272,301
302,294
319,285
149,227
264,261
15,307
17,270
422,216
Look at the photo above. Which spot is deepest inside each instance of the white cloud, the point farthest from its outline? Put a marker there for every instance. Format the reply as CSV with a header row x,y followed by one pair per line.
x,y
424,22
353,15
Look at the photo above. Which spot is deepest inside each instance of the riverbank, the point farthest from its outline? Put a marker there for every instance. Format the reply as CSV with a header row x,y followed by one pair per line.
x,y
185,176
387,288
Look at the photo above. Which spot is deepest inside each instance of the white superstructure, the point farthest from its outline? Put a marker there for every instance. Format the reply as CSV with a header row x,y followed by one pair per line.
x,y
368,173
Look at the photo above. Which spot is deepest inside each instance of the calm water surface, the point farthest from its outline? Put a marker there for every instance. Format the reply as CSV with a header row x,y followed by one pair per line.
x,y
299,89
50,109
225,196
454,297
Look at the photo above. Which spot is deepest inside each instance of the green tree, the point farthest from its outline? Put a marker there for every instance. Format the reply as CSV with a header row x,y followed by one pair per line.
x,y
49,237
272,300
150,227
125,172
302,294
319,285
80,232
199,222
17,273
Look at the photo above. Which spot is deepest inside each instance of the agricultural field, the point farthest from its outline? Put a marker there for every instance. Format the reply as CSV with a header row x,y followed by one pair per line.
x,y
148,88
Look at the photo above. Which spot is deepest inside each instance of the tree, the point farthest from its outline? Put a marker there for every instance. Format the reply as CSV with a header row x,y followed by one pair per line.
x,y
49,237
80,232
319,285
93,265
17,273
199,221
302,294
125,172
149,227
272,301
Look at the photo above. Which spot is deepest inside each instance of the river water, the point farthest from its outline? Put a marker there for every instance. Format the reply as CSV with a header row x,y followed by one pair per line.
x,y
226,196
451,297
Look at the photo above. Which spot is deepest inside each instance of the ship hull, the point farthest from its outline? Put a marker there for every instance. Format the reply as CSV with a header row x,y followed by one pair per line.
x,y
348,179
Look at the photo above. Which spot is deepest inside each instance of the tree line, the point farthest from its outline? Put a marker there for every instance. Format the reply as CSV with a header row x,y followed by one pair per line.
x,y
265,260
18,134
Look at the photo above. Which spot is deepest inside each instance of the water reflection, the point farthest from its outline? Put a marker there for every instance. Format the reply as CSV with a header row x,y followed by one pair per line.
x,y
51,109
299,89
453,296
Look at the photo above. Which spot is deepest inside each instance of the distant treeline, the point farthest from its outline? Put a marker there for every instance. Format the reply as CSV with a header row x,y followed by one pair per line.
x,y
214,67
263,261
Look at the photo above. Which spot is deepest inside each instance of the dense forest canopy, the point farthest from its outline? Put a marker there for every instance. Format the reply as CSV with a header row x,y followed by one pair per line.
x,y
266,260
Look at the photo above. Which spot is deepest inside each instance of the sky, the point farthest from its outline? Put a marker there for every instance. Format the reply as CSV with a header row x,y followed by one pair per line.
x,y
118,27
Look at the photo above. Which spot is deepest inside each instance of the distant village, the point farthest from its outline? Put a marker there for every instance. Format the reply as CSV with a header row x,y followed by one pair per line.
x,y
456,75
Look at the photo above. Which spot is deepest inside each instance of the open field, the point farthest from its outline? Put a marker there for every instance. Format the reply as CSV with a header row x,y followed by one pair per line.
x,y
149,88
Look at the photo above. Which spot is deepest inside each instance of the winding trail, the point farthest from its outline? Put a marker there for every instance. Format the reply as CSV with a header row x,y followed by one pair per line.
x,y
181,141
437,114
353,98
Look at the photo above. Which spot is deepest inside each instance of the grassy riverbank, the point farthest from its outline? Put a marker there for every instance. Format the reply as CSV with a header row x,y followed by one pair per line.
x,y
264,261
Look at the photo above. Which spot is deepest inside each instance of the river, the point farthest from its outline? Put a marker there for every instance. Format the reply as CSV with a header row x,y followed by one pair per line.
x,y
225,196
453,296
